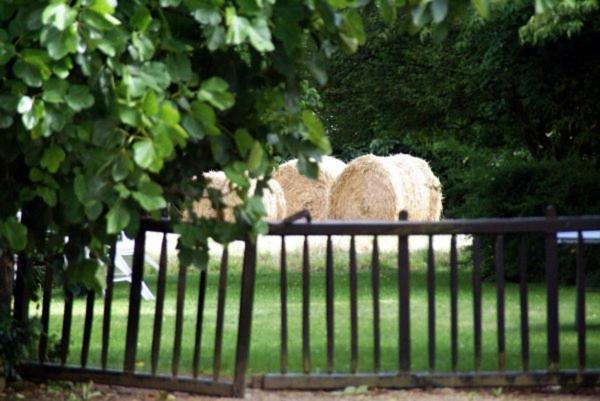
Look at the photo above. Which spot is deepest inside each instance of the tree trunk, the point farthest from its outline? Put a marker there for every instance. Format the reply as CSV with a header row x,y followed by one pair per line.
x,y
7,273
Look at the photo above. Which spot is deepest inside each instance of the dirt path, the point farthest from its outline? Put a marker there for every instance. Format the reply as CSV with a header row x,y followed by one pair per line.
x,y
90,392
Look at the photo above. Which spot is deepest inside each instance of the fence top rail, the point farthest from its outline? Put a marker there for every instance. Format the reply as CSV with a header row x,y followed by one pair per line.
x,y
462,226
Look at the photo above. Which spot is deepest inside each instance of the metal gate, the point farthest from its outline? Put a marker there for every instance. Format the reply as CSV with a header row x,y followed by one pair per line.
x,y
58,364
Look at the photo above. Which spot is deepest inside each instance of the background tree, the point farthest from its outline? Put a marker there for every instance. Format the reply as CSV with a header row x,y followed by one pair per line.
x,y
505,110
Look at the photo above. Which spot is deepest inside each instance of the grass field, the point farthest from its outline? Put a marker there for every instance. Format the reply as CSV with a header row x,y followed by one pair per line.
x,y
265,330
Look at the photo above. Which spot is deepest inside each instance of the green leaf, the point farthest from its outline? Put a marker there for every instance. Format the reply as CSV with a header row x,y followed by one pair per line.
x,y
79,97
150,104
256,156
141,19
15,234
25,105
240,29
104,6
7,52
259,35
149,196
93,210
117,218
60,43
419,16
179,66
120,168
206,15
316,131
207,118
143,48
52,158
236,173
439,10
352,31
59,15
144,153
482,7
30,74
387,10
55,90
243,141
169,3
47,194
214,91
169,113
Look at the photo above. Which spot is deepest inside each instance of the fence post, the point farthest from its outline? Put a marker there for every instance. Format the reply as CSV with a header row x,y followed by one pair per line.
x,y
245,318
133,318
552,294
404,298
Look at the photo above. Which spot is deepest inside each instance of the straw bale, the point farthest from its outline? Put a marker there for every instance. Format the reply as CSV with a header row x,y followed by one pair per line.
x,y
273,199
304,193
378,188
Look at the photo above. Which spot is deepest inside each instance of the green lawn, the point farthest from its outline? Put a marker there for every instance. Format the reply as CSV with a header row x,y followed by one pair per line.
x,y
265,328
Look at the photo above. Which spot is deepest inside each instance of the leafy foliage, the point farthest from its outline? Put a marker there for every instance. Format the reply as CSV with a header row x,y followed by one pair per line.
x,y
510,125
112,111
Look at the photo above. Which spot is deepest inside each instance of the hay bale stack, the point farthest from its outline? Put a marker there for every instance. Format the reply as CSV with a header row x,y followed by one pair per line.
x,y
378,188
273,198
302,192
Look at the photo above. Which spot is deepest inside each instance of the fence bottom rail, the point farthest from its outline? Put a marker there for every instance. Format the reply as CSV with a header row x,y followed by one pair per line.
x,y
200,385
588,378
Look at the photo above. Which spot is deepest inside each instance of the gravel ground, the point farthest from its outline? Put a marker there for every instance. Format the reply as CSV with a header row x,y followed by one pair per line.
x,y
89,392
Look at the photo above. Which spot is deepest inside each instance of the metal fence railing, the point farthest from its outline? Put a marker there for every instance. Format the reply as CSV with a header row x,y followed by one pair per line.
x,y
64,367
61,365
495,230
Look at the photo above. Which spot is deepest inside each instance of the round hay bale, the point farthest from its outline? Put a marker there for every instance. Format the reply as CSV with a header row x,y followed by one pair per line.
x,y
273,199
427,187
434,187
378,188
304,193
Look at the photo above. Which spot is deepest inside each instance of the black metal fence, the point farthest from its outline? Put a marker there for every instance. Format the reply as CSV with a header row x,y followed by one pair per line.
x,y
307,377
58,368
403,376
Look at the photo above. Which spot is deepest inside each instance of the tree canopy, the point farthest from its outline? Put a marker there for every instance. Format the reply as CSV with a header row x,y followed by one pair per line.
x,y
111,111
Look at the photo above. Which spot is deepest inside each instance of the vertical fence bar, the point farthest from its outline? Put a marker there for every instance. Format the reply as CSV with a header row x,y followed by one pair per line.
x,y
158,308
430,305
477,302
404,299
580,318
87,326
65,338
199,322
245,318
376,313
47,297
108,297
353,308
329,287
178,320
283,355
305,307
552,296
220,314
133,318
453,303
501,325
524,302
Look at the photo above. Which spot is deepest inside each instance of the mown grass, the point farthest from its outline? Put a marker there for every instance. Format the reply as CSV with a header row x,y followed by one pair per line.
x,y
266,329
